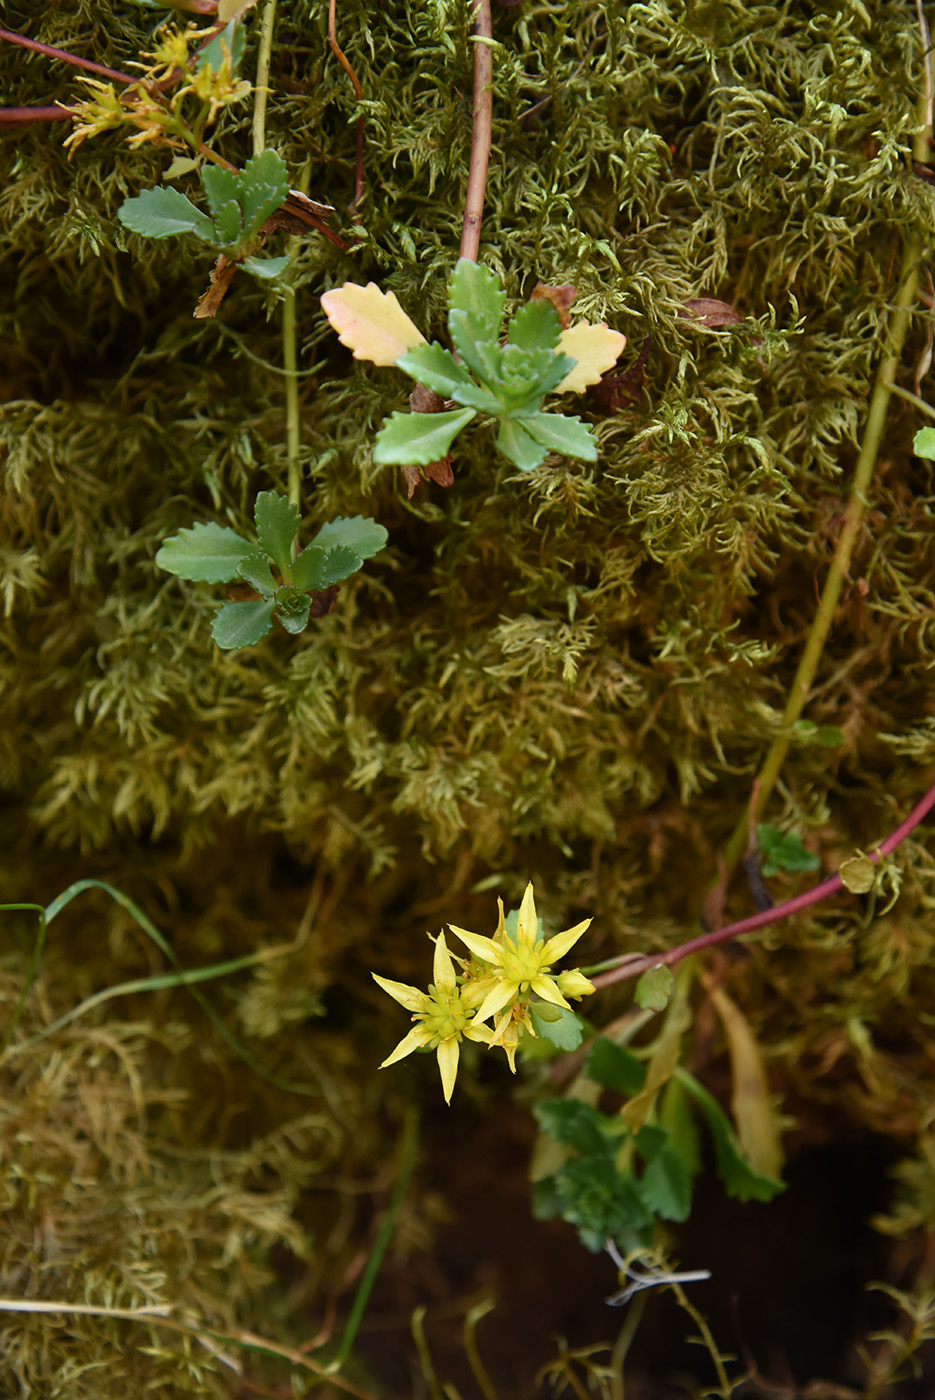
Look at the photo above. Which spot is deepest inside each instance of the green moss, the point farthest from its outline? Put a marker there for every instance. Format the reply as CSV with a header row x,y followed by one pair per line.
x,y
571,676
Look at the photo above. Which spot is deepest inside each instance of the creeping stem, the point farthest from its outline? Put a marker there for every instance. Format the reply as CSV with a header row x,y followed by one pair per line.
x,y
636,966
481,130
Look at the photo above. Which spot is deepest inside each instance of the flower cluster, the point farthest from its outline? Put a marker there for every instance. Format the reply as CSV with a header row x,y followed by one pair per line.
x,y
200,90
502,981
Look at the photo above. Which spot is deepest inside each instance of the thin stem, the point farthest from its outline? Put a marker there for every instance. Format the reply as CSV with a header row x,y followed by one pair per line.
x,y
20,116
636,967
855,509
358,93
914,399
407,1160
262,77
481,131
65,56
293,422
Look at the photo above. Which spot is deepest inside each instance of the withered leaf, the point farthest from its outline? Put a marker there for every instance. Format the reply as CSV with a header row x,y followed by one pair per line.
x,y
710,312
323,601
560,297
424,400
222,274
610,395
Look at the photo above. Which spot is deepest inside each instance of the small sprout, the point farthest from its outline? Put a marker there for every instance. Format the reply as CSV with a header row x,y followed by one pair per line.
x,y
216,554
654,989
857,874
783,850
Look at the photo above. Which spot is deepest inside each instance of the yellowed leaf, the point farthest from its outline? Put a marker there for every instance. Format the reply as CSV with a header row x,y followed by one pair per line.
x,y
752,1107
596,348
227,9
371,323
857,874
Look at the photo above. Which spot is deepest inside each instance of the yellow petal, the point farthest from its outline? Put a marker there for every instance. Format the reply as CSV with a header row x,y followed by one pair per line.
x,y
482,1033
558,946
527,924
371,323
545,988
409,997
448,1064
596,348
503,993
443,970
484,948
415,1040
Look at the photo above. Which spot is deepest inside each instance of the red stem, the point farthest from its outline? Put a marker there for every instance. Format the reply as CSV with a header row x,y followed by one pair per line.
x,y
769,916
20,116
65,56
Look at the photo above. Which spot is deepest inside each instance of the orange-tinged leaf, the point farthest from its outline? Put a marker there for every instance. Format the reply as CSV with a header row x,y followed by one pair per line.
x,y
596,349
757,1126
371,323
227,9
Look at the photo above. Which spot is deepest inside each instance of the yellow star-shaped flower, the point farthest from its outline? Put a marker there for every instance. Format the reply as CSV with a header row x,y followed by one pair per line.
x,y
520,966
443,1015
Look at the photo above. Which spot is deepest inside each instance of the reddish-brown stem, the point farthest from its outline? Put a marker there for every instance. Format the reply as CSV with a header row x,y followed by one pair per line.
x,y
358,93
65,56
20,116
769,916
481,131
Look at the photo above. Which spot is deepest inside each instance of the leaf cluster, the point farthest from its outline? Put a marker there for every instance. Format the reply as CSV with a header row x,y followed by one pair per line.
x,y
615,1182
216,554
507,382
240,202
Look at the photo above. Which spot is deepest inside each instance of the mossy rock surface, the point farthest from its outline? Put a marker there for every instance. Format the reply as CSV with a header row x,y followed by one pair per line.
x,y
570,676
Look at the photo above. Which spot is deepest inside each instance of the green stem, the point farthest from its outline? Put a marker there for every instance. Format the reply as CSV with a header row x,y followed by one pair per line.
x,y
407,1160
853,520
913,399
290,366
261,91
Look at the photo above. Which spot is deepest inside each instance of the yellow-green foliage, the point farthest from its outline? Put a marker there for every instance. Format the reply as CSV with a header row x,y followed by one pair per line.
x,y
569,676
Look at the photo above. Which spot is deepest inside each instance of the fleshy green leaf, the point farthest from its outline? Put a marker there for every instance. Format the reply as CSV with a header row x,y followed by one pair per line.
x,y
562,1029
277,523
616,1068
208,553
233,39
535,326
435,367
783,850
482,356
561,434
829,736
266,267
654,989
923,444
416,439
665,1186
254,568
735,1171
475,290
242,624
357,532
220,185
514,442
227,228
264,184
576,1124
308,568
339,564
163,213
292,609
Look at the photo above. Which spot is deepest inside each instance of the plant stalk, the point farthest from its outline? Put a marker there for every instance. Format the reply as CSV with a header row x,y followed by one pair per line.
x,y
906,295
481,131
